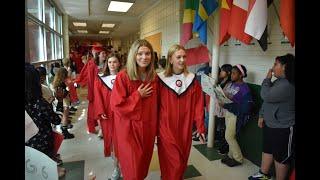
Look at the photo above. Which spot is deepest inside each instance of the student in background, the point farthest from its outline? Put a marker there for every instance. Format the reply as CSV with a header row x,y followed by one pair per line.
x,y
86,78
134,100
40,111
59,85
277,118
223,79
181,105
237,113
103,88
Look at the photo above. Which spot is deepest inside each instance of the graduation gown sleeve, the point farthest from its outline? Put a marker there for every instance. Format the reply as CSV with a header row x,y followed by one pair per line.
x,y
123,103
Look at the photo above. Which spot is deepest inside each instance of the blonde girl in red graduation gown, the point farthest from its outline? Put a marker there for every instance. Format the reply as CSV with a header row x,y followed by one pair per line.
x,y
181,105
87,76
102,91
134,102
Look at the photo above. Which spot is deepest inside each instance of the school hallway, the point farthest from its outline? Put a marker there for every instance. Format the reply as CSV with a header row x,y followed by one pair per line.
x,y
83,157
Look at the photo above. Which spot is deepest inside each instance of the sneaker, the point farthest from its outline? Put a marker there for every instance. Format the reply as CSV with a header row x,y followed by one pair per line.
x,y
225,159
116,174
100,135
232,162
73,109
259,176
70,126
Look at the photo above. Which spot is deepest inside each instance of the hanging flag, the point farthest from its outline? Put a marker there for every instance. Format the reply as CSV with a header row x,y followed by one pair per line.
x,y
238,19
204,9
257,18
263,41
188,19
197,55
287,19
224,20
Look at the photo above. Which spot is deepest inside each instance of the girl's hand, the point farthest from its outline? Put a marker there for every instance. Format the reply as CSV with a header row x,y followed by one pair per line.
x,y
202,138
145,91
103,116
220,103
260,122
269,75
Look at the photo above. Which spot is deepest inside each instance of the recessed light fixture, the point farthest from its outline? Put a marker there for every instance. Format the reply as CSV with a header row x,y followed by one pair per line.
x,y
82,31
104,32
107,25
118,6
80,24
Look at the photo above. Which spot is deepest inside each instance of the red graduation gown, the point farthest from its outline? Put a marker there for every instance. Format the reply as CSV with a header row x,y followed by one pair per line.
x,y
86,77
135,121
181,105
73,92
102,93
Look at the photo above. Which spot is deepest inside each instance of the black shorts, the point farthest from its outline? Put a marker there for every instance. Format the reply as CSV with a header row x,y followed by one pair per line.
x,y
279,142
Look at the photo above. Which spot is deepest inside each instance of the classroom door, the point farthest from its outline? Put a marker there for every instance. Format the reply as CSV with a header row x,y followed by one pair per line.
x,y
155,41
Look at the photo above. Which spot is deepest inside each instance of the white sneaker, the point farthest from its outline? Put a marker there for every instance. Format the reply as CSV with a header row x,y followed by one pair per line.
x,y
116,174
100,135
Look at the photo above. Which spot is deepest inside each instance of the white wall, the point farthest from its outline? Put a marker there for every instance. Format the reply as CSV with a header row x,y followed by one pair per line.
x,y
252,57
165,18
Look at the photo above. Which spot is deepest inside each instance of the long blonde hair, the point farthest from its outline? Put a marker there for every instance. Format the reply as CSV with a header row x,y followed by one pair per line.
x,y
132,69
60,76
169,67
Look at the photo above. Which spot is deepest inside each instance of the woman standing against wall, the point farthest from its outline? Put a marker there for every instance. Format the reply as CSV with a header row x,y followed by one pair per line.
x,y
277,118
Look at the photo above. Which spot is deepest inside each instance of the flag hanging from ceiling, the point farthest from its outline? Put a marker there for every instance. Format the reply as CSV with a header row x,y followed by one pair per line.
x,y
188,19
224,20
204,9
238,19
263,41
257,18
287,19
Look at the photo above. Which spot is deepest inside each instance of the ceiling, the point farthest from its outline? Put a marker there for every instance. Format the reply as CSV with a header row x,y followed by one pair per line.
x,y
94,13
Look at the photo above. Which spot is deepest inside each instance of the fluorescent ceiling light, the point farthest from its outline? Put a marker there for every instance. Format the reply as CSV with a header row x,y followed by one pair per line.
x,y
82,31
119,6
81,24
104,32
108,25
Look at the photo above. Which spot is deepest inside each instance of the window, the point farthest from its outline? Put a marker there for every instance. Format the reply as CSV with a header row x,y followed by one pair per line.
x,y
44,26
58,47
58,23
34,8
50,45
36,43
49,14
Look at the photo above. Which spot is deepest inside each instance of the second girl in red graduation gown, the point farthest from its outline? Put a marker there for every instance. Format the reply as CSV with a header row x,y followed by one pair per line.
x,y
181,105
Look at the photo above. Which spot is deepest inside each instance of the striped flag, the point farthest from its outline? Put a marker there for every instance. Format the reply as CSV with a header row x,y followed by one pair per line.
x,y
204,9
257,18
238,19
287,19
188,19
224,20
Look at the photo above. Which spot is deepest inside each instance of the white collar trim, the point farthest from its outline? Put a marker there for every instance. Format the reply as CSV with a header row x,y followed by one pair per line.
x,y
178,83
108,80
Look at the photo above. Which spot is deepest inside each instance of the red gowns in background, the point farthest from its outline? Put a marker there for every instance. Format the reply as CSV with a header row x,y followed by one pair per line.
x,y
135,122
102,93
181,105
86,77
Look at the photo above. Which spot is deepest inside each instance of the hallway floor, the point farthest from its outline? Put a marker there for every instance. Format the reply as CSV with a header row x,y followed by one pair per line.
x,y
83,157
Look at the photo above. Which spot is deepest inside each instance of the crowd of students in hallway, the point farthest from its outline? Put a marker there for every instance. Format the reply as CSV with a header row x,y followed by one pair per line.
x,y
136,100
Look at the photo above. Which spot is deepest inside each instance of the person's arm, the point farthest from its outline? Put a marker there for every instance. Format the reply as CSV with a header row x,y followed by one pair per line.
x,y
272,94
199,109
244,107
82,79
125,104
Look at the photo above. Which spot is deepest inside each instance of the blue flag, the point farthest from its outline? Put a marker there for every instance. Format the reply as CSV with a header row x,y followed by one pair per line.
x,y
204,9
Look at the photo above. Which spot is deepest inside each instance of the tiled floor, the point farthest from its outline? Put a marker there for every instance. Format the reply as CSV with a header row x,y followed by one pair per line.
x,y
83,157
